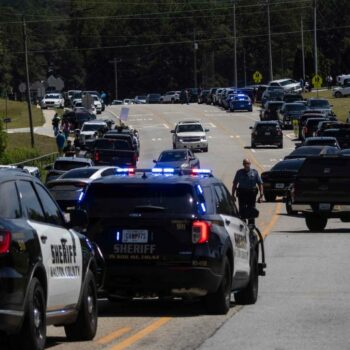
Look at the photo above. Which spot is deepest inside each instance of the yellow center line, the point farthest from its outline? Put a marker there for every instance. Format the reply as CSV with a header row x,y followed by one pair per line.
x,y
273,221
112,336
141,334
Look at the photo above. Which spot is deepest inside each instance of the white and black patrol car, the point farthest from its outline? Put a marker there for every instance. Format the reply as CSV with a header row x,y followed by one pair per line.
x,y
48,271
173,233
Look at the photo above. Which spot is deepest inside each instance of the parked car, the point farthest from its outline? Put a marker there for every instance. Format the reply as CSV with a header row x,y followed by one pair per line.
x,y
310,127
272,93
116,102
140,99
193,94
63,164
210,97
78,117
266,133
293,97
326,124
288,85
203,96
276,182
289,112
270,110
342,90
52,100
178,158
342,134
320,104
92,130
170,97
312,151
241,102
69,187
153,98
321,141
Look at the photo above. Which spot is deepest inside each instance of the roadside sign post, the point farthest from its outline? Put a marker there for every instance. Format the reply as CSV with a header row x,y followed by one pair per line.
x,y
317,82
257,77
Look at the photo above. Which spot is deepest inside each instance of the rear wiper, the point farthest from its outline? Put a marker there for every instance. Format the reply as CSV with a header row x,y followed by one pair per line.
x,y
147,208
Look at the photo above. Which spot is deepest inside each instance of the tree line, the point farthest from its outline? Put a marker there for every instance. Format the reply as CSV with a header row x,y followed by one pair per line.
x,y
154,41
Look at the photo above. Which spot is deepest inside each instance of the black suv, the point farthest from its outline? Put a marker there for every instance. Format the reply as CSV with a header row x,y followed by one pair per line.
x,y
266,133
177,234
48,270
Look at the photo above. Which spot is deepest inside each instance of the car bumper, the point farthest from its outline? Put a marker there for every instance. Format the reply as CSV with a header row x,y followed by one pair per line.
x,y
192,145
330,210
267,141
165,280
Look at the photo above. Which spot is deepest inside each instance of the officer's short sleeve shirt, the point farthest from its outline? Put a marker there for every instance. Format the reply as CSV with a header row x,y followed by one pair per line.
x,y
247,179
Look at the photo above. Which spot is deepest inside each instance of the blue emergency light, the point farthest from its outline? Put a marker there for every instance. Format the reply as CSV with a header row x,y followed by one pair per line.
x,y
125,171
163,170
201,171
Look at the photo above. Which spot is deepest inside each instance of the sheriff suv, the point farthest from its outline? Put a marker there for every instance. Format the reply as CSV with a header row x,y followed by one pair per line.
x,y
47,270
190,134
173,233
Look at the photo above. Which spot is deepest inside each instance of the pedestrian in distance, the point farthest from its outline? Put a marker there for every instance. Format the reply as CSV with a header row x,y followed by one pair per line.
x,y
66,128
56,124
246,184
329,81
69,149
187,96
60,141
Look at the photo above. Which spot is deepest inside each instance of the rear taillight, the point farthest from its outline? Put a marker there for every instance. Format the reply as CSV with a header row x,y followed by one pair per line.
x,y
5,241
97,156
200,232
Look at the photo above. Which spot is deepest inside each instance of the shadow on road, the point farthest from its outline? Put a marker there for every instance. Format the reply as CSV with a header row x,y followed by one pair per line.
x,y
325,232
152,308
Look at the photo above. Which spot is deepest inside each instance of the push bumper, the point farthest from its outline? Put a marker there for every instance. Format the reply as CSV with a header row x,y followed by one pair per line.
x,y
192,145
327,209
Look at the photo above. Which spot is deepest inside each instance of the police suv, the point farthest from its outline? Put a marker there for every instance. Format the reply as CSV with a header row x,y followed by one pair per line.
x,y
47,270
173,233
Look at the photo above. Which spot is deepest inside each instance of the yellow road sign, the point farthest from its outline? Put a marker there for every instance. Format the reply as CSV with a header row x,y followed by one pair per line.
x,y
317,81
257,77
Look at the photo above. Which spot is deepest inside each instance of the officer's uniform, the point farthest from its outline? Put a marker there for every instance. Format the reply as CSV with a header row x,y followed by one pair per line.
x,y
246,182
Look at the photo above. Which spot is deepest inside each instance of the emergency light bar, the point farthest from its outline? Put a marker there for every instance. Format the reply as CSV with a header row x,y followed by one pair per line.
x,y
201,171
126,171
163,170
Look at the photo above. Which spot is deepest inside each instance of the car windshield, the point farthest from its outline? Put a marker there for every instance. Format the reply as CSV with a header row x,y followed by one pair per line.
x,y
190,128
295,107
52,96
266,127
303,151
106,200
319,103
92,127
66,165
286,82
110,144
84,173
172,156
288,165
275,88
241,98
321,142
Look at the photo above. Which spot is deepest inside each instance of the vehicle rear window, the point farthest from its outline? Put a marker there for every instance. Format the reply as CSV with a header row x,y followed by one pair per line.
x,y
9,208
312,123
274,106
313,151
190,128
106,200
84,173
322,142
288,165
295,107
111,144
326,167
67,165
319,103
172,156
266,127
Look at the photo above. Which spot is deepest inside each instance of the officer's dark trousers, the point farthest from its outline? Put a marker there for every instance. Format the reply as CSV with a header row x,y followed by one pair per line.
x,y
246,201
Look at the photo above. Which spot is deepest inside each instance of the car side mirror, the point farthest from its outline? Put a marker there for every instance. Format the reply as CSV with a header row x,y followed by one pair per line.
x,y
154,161
207,130
79,218
251,128
172,131
192,158
48,167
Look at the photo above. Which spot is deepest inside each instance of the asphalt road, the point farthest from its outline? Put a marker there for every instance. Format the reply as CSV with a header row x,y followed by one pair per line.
x,y
304,301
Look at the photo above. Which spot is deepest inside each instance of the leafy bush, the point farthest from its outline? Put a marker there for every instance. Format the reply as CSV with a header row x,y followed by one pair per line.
x,y
17,155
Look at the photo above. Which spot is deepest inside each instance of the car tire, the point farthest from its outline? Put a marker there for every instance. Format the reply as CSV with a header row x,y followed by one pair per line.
x,y
338,94
33,333
270,197
280,145
172,101
206,149
315,223
289,209
219,303
85,326
174,146
253,145
249,295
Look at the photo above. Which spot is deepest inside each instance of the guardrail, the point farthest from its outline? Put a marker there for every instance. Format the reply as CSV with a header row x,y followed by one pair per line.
x,y
39,162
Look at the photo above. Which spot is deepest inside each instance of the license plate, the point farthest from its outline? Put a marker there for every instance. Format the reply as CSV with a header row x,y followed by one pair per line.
x,y
279,186
324,206
267,133
135,236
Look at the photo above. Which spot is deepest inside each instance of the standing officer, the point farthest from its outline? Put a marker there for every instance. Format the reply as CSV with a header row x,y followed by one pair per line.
x,y
246,183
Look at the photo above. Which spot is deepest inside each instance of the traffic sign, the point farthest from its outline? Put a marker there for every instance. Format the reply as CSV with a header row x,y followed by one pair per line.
x,y
257,77
317,81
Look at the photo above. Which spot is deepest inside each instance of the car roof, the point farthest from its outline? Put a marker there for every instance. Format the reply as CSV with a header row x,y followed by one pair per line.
x,y
189,122
280,80
13,173
267,122
102,122
321,138
175,150
73,159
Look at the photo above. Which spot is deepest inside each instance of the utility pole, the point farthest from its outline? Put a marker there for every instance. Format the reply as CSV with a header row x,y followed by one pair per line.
x,y
269,35
244,68
302,46
27,82
235,43
115,62
315,37
195,48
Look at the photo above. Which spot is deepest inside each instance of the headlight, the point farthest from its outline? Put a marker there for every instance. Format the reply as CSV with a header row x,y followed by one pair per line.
x,y
203,138
180,140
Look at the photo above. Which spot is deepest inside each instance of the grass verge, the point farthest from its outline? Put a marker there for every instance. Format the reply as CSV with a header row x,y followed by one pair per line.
x,y
18,112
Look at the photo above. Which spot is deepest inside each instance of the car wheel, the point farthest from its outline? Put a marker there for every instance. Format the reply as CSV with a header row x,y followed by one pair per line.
x,y
338,94
33,333
315,223
269,197
85,326
280,145
253,145
289,209
174,146
219,303
206,149
249,295
172,100
250,110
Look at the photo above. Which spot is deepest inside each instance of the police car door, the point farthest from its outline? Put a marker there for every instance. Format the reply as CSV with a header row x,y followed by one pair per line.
x,y
236,228
64,257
